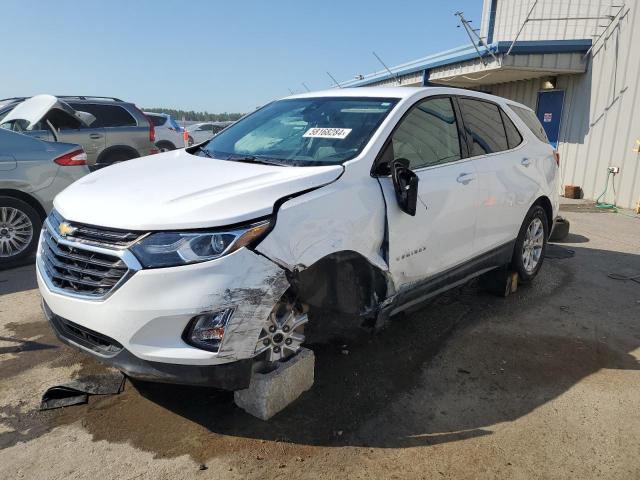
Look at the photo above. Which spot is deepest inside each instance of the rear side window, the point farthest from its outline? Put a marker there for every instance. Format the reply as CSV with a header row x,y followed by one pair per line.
x,y
107,115
157,120
513,135
530,120
427,135
483,124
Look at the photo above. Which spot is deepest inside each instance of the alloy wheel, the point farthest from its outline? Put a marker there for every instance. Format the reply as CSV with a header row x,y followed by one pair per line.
x,y
283,333
16,232
532,245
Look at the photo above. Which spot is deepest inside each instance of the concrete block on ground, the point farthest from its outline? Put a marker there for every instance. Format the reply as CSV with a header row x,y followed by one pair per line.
x,y
270,393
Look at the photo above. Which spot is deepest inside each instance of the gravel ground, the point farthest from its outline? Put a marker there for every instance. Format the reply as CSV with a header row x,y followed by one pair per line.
x,y
542,384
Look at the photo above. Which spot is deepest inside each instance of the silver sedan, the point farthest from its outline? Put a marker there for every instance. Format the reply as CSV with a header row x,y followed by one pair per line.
x,y
32,173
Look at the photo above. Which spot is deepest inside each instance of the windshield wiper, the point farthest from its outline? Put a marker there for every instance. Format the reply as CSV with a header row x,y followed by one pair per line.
x,y
204,150
254,159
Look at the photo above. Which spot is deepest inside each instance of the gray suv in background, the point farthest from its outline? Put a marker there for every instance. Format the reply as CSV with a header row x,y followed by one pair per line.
x,y
110,130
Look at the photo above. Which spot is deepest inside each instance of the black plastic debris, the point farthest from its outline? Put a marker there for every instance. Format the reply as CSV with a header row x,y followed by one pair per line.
x,y
77,391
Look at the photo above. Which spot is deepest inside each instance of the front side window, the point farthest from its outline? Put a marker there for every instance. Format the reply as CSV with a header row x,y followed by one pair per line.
x,y
302,132
427,135
483,124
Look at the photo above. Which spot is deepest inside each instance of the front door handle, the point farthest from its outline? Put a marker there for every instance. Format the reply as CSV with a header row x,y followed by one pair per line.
x,y
465,178
525,162
95,136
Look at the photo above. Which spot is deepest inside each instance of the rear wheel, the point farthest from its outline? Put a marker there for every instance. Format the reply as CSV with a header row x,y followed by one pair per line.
x,y
116,157
20,226
531,244
165,146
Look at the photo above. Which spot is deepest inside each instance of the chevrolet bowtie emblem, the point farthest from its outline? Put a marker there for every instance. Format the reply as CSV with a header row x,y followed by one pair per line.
x,y
65,229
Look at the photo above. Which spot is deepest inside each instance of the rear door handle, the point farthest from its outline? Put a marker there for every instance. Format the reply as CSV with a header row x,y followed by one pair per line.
x,y
465,178
95,136
525,162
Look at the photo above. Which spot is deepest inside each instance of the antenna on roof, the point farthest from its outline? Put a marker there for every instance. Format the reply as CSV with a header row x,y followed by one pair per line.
x,y
470,31
387,68
334,80
305,86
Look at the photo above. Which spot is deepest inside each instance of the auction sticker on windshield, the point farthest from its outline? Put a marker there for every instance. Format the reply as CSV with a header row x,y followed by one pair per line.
x,y
339,133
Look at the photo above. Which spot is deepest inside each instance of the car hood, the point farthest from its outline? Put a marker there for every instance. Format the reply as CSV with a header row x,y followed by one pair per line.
x,y
35,108
177,190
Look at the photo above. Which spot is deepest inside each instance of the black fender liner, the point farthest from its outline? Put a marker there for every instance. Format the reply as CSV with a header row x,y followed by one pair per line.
x,y
344,282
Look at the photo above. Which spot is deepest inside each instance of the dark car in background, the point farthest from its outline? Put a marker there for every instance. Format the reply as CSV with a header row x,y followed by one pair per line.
x,y
109,129
32,173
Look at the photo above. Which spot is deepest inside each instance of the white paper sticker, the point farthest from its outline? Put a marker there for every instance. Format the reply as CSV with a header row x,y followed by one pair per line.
x,y
339,133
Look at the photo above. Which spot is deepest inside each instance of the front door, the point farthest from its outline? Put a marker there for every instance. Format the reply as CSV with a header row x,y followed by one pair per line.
x,y
550,112
441,234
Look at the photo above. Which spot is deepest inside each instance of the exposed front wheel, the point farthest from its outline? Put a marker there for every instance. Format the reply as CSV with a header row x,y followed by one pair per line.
x,y
283,332
531,244
20,226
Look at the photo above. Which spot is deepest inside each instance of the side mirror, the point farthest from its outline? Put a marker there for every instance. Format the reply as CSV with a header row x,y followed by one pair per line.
x,y
405,183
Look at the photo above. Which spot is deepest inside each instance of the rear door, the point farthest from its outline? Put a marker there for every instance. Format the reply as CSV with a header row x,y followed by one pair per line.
x,y
441,234
116,126
507,186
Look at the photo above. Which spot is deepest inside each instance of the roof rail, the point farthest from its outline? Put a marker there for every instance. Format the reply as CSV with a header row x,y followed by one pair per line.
x,y
90,97
12,98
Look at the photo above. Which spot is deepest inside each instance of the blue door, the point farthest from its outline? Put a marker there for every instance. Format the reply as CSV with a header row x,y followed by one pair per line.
x,y
550,112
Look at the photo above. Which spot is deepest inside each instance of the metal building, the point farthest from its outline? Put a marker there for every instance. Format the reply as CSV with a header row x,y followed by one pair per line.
x,y
575,62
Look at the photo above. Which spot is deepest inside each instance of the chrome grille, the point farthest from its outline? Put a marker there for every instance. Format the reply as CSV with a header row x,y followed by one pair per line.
x,y
96,235
78,268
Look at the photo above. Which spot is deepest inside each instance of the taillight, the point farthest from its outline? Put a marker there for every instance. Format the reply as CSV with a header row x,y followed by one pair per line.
x,y
77,157
556,155
152,132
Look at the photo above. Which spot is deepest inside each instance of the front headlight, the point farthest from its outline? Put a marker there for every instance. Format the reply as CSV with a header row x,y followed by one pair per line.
x,y
169,249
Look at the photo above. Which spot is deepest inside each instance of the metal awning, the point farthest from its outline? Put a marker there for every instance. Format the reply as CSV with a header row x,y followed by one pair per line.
x,y
511,68
472,66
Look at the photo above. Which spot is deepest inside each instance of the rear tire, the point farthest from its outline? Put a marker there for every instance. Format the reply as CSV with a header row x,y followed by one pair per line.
x,y
20,226
116,157
165,146
531,244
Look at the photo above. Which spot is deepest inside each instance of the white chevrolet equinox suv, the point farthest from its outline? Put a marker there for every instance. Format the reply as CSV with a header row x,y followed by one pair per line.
x,y
194,265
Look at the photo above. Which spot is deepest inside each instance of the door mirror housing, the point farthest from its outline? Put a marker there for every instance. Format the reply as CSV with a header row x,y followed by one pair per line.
x,y
405,184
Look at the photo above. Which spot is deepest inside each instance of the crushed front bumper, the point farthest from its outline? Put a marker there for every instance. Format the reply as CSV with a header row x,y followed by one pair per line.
x,y
227,376
146,316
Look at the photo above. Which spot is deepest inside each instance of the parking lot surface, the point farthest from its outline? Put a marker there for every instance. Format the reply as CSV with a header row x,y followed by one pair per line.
x,y
542,384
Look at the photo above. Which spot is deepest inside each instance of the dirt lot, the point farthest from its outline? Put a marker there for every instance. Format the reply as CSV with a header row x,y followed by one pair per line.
x,y
543,384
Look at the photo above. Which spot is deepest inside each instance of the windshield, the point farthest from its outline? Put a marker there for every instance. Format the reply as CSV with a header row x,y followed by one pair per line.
x,y
302,132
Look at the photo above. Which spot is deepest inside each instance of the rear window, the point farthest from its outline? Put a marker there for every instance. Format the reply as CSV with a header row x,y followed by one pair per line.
x,y
157,120
107,115
483,124
174,124
530,120
513,134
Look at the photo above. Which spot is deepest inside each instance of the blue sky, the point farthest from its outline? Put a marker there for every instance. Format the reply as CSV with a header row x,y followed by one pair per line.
x,y
218,56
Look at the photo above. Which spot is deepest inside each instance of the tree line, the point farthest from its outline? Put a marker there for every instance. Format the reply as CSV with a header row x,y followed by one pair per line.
x,y
190,115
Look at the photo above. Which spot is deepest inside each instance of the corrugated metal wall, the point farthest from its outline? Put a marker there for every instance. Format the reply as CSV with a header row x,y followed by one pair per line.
x,y
585,18
601,115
